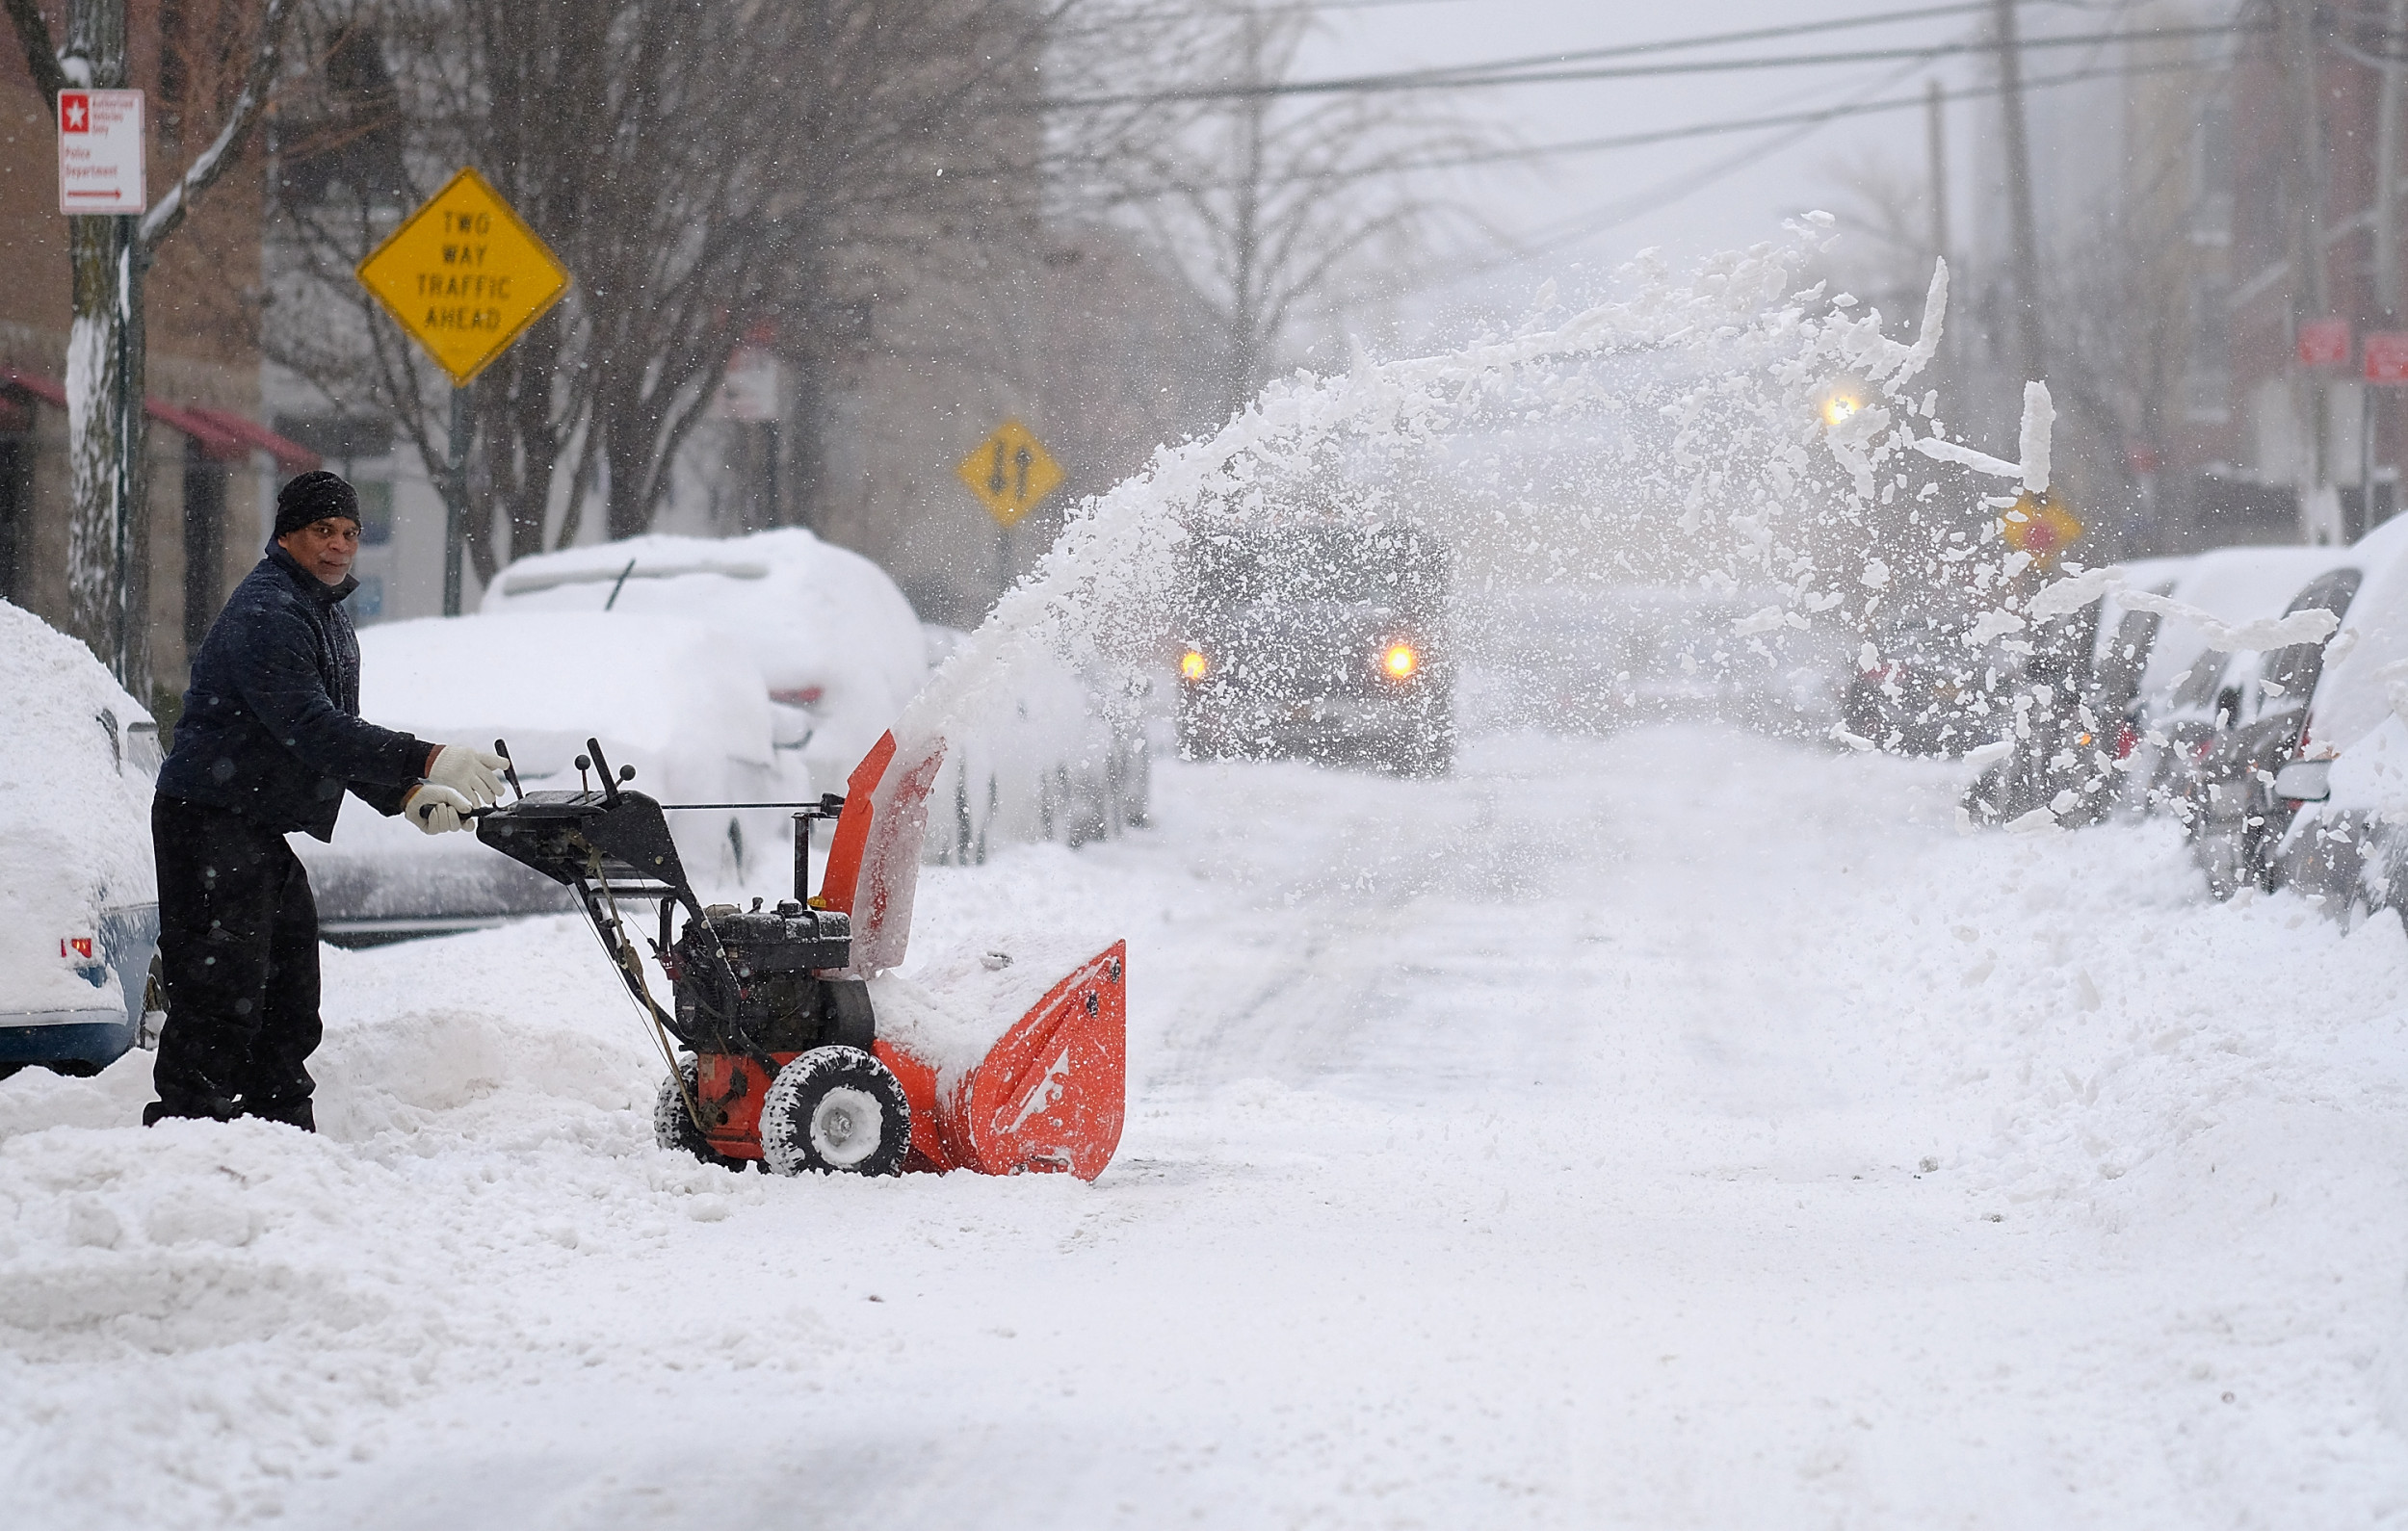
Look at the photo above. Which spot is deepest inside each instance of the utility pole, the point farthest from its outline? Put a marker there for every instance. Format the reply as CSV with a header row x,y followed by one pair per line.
x,y
1936,144
2021,229
2311,294
2386,237
2387,167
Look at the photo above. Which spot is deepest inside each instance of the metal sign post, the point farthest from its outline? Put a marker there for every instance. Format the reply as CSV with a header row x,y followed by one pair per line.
x,y
456,498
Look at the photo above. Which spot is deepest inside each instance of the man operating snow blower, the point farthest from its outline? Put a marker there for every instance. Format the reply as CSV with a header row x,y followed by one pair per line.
x,y
270,740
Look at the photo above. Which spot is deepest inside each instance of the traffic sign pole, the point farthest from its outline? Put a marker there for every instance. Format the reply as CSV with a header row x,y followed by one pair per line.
x,y
456,498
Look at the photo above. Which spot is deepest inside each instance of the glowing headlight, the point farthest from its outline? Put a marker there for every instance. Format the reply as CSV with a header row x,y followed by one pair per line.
x,y
1193,665
1398,662
1837,409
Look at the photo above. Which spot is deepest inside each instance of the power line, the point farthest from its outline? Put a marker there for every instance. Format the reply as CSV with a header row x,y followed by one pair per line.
x,y
1426,81
1673,189
1813,117
1625,50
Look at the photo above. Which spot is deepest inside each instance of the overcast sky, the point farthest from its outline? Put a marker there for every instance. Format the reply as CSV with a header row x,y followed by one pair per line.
x,y
1699,194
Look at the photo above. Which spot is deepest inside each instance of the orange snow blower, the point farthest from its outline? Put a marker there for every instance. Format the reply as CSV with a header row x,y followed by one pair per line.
x,y
788,1063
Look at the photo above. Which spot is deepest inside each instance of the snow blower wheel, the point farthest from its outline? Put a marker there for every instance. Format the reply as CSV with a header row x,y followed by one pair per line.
x,y
836,1110
673,1124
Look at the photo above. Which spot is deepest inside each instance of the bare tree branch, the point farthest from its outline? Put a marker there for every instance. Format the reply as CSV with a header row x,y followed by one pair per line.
x,y
171,211
41,55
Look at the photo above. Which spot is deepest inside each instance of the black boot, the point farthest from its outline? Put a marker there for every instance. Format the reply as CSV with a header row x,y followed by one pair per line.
x,y
292,1113
158,1112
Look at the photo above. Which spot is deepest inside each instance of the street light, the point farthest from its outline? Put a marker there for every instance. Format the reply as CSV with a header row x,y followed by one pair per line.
x,y
1839,400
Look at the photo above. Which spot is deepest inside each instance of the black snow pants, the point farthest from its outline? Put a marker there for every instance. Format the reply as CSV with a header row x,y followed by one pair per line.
x,y
238,946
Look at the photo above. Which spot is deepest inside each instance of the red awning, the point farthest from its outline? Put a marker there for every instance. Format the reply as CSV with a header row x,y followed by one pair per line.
x,y
45,389
221,434
217,444
289,455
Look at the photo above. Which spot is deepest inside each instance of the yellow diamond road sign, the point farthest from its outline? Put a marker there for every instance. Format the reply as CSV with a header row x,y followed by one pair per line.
x,y
1010,472
464,277
2041,525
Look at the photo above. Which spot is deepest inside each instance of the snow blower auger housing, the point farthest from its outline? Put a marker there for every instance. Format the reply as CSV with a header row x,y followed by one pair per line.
x,y
784,1062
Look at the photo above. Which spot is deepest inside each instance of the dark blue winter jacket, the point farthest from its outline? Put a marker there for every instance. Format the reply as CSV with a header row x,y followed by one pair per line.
x,y
271,726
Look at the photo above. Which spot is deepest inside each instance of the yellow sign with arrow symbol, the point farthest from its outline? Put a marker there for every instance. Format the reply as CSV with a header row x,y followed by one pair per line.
x,y
1009,472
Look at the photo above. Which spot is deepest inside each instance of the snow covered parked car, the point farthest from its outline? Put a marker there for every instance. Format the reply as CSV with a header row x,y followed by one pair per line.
x,y
679,701
2172,713
1049,760
2071,743
79,908
2339,802
2261,712
834,641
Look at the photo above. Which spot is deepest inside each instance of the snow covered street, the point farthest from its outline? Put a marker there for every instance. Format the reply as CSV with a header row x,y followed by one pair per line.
x,y
1674,1130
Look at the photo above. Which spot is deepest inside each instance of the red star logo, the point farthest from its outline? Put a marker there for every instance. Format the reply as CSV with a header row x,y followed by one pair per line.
x,y
74,112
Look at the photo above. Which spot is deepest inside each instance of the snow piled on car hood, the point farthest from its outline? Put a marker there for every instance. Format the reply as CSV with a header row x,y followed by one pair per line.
x,y
76,823
549,681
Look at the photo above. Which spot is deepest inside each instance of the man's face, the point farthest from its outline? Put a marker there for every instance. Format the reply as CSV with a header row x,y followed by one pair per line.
x,y
325,547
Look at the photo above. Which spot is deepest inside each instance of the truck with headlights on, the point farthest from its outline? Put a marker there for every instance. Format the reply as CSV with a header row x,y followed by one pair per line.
x,y
1325,641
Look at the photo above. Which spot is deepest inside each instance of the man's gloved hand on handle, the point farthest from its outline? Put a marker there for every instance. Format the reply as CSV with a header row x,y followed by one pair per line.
x,y
472,773
460,780
436,810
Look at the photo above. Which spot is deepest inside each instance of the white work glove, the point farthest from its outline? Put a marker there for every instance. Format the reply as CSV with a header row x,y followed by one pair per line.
x,y
436,810
472,773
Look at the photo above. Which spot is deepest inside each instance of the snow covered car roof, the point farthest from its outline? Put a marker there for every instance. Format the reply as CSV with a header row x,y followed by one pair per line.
x,y
76,765
826,626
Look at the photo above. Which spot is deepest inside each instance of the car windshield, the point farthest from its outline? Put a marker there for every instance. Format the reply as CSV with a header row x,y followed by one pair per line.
x,y
2291,672
2125,658
1399,567
2197,687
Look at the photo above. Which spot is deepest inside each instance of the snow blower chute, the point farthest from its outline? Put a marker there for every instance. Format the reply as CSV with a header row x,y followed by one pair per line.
x,y
790,1063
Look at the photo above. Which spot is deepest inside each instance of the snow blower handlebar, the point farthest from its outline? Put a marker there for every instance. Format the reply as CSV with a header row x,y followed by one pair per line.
x,y
607,846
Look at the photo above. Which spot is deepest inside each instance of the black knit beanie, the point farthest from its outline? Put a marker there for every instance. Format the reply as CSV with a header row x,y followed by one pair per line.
x,y
311,498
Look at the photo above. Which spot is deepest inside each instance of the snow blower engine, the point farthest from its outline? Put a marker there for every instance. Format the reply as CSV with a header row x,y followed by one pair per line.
x,y
784,1063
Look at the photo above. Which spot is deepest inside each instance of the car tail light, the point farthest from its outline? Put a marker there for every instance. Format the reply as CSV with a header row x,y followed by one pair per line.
x,y
1400,662
798,696
2127,738
1193,665
83,953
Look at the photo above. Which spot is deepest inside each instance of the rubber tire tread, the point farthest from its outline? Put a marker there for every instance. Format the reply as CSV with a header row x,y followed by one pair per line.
x,y
786,1112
